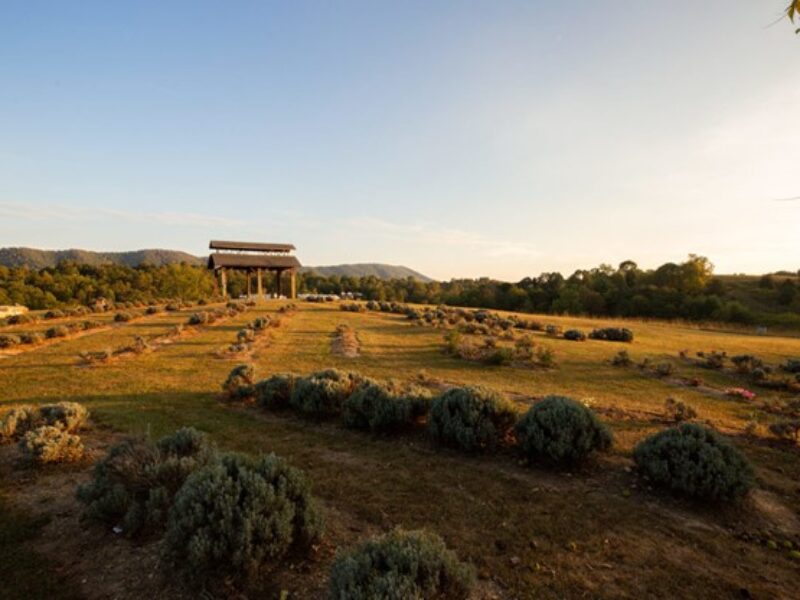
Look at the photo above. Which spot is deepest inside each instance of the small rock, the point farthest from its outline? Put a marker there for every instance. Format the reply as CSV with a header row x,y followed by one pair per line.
x,y
514,560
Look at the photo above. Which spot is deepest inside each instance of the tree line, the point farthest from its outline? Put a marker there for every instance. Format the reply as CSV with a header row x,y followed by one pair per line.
x,y
687,290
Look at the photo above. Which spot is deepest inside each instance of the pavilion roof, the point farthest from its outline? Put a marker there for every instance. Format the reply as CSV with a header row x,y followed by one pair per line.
x,y
250,246
252,261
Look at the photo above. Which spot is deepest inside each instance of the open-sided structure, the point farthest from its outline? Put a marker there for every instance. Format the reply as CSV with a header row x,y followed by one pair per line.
x,y
254,259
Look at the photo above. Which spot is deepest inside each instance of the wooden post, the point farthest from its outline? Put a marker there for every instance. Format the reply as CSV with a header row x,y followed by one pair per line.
x,y
293,284
278,282
223,282
259,286
247,274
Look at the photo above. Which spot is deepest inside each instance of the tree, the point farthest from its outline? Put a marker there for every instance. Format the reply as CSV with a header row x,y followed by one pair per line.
x,y
792,11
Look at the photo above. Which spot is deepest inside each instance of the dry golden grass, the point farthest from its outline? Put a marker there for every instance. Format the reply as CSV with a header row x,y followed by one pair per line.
x,y
595,532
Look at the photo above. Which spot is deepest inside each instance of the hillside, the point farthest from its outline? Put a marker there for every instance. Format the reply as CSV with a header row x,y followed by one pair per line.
x,y
378,270
34,258
39,259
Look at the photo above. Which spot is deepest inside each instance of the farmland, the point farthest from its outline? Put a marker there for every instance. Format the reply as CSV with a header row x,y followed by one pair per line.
x,y
595,530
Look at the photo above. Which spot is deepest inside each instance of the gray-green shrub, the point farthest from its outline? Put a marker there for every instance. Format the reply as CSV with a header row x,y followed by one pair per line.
x,y
134,485
67,416
239,383
413,565
33,337
471,418
574,335
612,334
275,392
384,406
321,394
239,514
9,340
56,332
49,444
18,421
694,461
561,430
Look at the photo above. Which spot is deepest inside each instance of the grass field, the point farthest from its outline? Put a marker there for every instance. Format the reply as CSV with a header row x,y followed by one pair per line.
x,y
593,532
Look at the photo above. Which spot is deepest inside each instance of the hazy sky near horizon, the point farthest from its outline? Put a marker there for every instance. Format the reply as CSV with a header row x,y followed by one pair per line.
x,y
477,138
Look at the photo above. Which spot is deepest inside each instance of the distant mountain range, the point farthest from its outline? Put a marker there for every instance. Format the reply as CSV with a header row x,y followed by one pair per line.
x,y
34,258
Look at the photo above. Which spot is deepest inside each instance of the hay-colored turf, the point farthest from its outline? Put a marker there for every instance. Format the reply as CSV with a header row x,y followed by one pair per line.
x,y
530,532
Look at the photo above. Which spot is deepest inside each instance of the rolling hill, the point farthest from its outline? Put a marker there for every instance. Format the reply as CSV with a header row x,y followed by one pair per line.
x,y
378,270
35,258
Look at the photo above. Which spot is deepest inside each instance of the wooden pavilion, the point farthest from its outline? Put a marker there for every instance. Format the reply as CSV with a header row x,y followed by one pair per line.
x,y
254,259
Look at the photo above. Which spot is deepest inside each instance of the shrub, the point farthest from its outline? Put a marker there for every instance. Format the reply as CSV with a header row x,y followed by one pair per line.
x,y
246,335
135,484
678,411
90,358
172,307
275,392
712,360
747,363
545,357
48,444
239,383
54,314
8,340
399,565
612,334
152,310
787,430
561,430
694,461
792,365
384,406
69,416
66,416
352,307
123,317
471,418
235,516
56,332
260,323
198,318
622,359
552,330
18,421
452,342
22,319
321,394
664,369
574,335
34,337
500,357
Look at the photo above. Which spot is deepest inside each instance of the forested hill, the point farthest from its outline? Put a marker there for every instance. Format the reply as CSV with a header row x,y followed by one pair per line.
x,y
34,258
378,270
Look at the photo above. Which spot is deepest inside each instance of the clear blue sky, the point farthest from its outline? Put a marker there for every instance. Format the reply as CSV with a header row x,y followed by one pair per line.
x,y
459,138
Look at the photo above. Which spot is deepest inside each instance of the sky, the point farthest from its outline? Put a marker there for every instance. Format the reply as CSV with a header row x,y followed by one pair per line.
x,y
461,139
